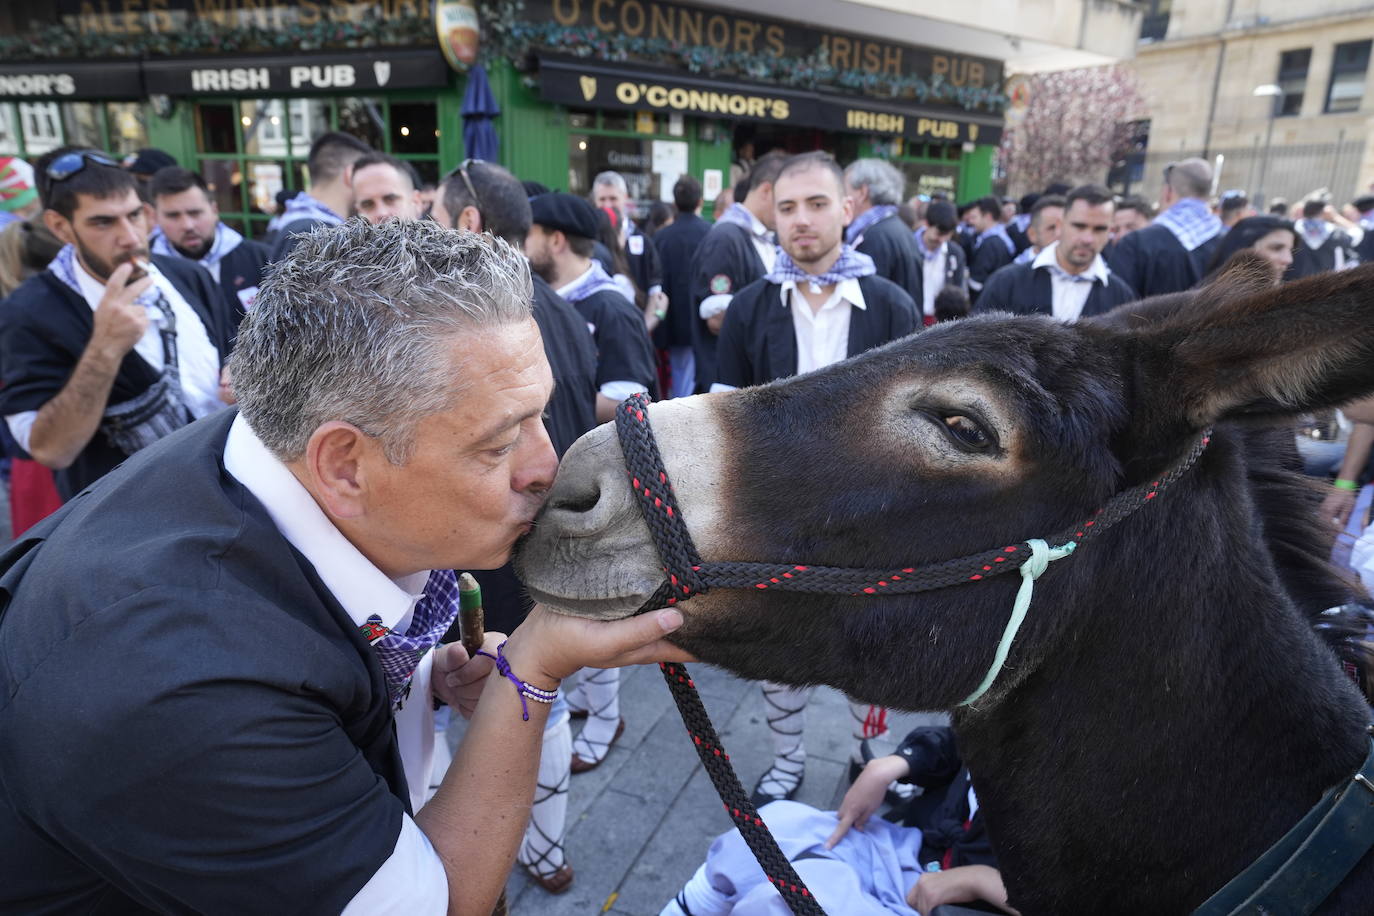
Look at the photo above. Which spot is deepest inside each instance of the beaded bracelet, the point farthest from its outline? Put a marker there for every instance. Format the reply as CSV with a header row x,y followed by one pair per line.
x,y
525,690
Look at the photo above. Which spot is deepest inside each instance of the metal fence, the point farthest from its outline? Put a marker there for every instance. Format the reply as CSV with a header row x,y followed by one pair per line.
x,y
1289,171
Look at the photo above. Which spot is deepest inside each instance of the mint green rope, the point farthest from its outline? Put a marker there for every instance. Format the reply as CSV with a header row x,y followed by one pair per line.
x,y
1042,555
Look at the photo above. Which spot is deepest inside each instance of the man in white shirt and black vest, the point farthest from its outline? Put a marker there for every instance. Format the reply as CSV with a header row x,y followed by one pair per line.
x,y
821,303
1068,279
108,349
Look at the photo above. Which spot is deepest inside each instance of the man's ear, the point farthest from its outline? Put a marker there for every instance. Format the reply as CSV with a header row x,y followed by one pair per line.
x,y
59,226
1278,351
470,219
334,468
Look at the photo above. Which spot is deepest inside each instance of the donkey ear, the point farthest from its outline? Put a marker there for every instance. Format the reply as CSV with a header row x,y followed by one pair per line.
x,y
1282,350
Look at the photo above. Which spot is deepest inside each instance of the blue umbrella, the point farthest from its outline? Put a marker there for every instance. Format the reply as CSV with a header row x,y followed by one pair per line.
x,y
479,108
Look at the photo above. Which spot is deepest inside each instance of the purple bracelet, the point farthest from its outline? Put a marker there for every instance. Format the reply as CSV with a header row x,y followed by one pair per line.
x,y
525,690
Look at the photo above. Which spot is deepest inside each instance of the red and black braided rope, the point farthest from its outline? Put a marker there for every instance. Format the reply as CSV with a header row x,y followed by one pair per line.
x,y
688,576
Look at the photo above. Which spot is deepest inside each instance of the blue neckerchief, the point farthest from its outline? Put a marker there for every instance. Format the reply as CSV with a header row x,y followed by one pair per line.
x,y
303,206
739,215
997,231
64,268
1191,222
924,249
866,219
225,241
1315,232
593,281
849,266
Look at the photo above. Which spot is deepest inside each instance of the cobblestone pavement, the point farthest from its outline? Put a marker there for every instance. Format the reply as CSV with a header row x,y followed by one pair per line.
x,y
640,824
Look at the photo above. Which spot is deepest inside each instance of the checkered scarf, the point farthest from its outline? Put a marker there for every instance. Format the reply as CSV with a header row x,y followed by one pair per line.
x,y
1191,221
1315,232
997,231
924,248
226,240
850,266
303,206
739,215
63,267
866,219
400,653
592,282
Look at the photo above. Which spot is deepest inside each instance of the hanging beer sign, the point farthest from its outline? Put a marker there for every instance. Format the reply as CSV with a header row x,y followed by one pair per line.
x,y
455,24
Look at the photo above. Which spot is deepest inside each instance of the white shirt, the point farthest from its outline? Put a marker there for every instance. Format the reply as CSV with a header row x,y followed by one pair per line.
x,y
934,275
412,880
197,358
822,335
1070,291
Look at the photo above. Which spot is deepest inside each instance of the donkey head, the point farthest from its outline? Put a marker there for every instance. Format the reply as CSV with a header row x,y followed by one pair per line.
x,y
971,435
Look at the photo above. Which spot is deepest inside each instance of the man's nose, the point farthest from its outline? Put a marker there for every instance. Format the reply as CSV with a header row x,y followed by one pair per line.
x,y
540,467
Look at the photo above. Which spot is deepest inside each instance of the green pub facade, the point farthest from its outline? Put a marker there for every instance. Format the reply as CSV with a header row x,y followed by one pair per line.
x,y
238,89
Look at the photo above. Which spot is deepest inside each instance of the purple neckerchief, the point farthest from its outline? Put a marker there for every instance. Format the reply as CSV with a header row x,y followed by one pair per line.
x,y
225,241
1021,221
593,281
1191,221
1026,256
739,214
849,266
400,653
866,219
1315,232
998,231
925,249
303,206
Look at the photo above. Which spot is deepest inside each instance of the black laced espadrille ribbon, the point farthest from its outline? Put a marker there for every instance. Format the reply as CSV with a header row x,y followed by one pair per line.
x,y
688,576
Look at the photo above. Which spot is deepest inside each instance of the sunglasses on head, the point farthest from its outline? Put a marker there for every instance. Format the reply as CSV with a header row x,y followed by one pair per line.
x,y
462,172
68,164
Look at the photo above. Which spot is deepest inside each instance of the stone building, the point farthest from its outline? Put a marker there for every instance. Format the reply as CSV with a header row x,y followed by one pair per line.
x,y
1283,91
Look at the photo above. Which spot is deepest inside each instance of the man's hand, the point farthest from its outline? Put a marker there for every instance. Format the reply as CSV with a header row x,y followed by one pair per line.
x,y
549,646
716,322
1337,506
120,322
458,679
964,884
866,795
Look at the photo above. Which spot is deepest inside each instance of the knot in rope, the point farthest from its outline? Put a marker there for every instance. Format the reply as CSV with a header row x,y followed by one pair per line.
x,y
1042,555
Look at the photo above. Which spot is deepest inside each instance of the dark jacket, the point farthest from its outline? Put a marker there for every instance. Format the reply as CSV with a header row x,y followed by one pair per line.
x,y
677,245
988,257
1021,290
726,262
44,328
231,745
1309,261
758,342
623,352
1153,261
948,834
288,236
893,249
240,276
571,352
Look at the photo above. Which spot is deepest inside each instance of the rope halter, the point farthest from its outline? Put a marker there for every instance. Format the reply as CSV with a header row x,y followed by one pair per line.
x,y
688,576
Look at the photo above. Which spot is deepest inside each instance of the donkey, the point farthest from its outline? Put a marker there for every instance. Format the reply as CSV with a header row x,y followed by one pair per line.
x,y
1166,712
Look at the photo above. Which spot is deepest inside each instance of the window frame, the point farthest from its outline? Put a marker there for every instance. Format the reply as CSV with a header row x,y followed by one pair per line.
x,y
1339,69
1292,73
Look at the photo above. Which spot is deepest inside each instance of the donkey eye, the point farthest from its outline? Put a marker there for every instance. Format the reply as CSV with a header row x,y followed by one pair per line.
x,y
966,432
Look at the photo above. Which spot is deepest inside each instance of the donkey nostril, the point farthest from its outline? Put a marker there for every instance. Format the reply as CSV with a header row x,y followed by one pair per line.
x,y
576,502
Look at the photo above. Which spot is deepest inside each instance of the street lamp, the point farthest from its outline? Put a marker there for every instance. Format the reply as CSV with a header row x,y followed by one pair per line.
x,y
1268,90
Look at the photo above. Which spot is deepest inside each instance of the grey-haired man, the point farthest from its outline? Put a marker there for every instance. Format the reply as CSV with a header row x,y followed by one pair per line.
x,y
229,711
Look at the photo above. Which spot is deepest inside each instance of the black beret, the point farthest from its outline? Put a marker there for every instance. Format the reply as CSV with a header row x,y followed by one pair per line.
x,y
147,161
568,213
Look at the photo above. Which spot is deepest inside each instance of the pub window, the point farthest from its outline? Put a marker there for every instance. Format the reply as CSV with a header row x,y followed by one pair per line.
x,y
42,127
249,149
1348,67
1293,80
127,125
9,131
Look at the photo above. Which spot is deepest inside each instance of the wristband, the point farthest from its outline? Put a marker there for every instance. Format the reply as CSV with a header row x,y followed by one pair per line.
x,y
1340,484
660,314
525,690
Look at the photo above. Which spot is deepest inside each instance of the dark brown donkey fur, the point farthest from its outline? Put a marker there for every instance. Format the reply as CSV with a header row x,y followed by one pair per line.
x,y
1166,712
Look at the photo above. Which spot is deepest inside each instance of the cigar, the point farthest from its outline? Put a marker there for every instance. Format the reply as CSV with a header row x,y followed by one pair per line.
x,y
470,623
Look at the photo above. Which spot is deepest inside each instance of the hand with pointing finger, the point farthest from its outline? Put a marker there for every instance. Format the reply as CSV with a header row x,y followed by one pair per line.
x,y
866,795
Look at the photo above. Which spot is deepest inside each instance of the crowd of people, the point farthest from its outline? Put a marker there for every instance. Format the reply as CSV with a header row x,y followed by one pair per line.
x,y
135,317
